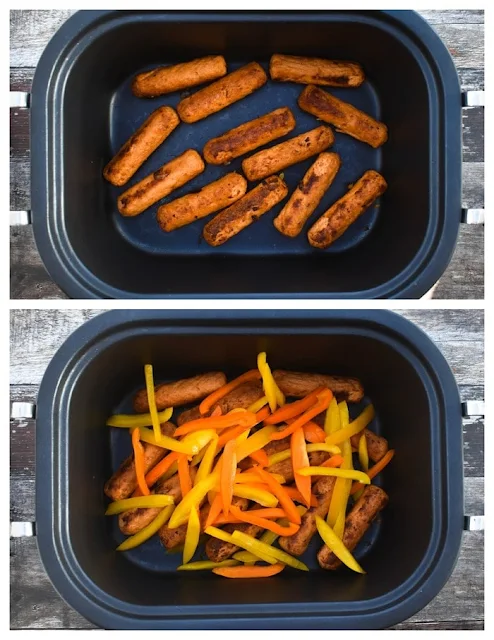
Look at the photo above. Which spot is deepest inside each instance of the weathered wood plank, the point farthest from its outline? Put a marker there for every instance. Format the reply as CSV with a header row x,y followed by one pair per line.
x,y
462,16
36,605
473,185
465,42
473,134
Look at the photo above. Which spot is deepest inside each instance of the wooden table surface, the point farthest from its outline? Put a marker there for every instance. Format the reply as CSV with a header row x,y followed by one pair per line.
x,y
37,334
463,34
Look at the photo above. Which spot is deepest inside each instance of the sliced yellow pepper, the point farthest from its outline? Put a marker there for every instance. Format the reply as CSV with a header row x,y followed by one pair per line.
x,y
192,499
271,389
141,502
342,487
180,446
349,474
148,531
171,472
257,548
228,537
353,428
139,419
242,478
197,440
255,442
207,461
280,456
258,404
332,419
260,496
204,565
155,421
363,454
218,533
336,545
192,535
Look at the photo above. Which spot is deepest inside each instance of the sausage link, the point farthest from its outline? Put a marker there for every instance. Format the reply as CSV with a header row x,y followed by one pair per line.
x,y
333,224
211,198
333,73
180,392
265,163
158,185
297,384
372,500
222,93
249,136
176,77
240,398
298,543
377,446
218,550
245,211
124,482
153,132
308,194
344,116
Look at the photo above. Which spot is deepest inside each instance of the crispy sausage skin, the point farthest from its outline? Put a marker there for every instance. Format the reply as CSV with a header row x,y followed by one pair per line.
x,y
297,544
268,161
158,185
222,93
180,392
134,520
333,73
245,211
342,115
372,500
218,550
377,446
141,145
124,482
211,198
176,77
249,136
240,398
308,194
336,220
297,384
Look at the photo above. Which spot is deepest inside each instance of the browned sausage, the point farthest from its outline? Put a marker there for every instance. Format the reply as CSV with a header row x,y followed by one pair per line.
x,y
268,161
372,500
222,93
336,220
211,198
308,194
245,211
141,145
171,538
285,468
249,136
174,394
344,116
275,446
297,544
134,520
218,550
124,482
377,446
240,398
296,384
333,73
176,77
157,185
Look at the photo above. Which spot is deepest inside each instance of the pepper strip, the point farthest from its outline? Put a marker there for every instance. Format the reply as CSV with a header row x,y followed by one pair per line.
x,y
258,404
300,459
251,477
353,428
139,462
249,572
294,409
192,499
184,477
341,487
375,469
240,418
158,470
227,476
228,537
143,502
255,442
207,461
265,523
280,456
266,514
271,389
332,419
214,510
148,374
337,547
257,547
348,474
214,397
204,565
148,531
191,536
261,496
323,400
278,490
313,433
261,457
138,420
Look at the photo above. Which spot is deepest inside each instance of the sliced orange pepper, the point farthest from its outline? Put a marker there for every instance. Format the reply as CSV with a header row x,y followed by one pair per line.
x,y
213,398
227,476
300,458
263,414
216,412
162,466
246,571
230,434
278,490
323,400
334,461
261,457
243,418
313,432
184,475
139,462
295,494
260,513
294,409
214,511
252,518
374,470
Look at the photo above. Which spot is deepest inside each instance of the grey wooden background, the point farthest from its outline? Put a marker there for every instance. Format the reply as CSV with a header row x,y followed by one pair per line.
x,y
37,334
463,34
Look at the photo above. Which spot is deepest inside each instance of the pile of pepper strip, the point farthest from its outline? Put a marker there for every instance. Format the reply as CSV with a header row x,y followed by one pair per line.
x,y
215,444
